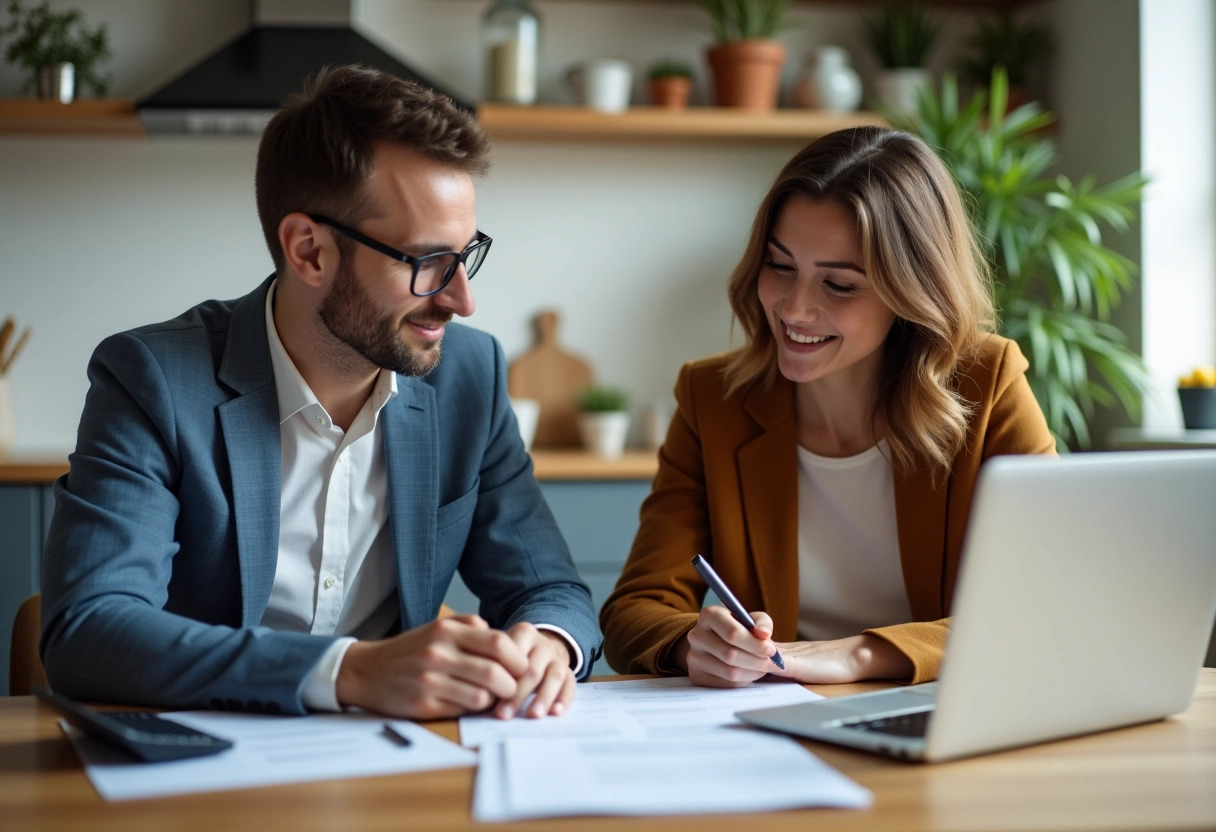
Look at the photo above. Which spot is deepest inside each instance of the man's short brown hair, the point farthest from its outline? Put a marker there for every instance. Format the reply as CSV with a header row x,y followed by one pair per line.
x,y
316,152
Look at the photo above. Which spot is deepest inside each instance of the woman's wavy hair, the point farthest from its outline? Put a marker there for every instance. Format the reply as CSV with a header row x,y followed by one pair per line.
x,y
923,261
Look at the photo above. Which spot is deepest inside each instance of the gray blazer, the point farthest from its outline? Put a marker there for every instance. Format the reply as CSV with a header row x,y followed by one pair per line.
x,y
163,544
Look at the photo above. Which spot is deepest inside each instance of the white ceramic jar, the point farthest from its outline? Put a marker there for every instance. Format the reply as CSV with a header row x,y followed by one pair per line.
x,y
828,81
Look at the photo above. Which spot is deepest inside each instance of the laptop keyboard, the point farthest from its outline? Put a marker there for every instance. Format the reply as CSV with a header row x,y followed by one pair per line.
x,y
904,725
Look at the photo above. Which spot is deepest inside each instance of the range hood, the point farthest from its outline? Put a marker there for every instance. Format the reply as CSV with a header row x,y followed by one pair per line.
x,y
236,90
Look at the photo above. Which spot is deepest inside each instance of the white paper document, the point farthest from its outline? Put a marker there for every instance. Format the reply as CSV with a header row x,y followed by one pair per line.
x,y
718,770
270,750
644,709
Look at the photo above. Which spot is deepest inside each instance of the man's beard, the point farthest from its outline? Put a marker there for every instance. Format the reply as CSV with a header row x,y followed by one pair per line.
x,y
353,319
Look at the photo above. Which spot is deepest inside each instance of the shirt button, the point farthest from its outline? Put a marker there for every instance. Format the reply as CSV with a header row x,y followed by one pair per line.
x,y
329,582
320,420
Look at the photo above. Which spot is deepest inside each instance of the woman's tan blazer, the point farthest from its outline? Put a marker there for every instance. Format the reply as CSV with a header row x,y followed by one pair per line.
x,y
727,488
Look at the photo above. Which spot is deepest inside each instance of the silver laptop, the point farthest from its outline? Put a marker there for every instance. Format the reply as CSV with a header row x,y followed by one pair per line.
x,y
1085,602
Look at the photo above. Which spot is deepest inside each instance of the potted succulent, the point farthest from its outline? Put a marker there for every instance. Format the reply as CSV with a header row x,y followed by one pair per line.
x,y
1197,394
604,419
670,84
902,36
746,62
57,48
1055,280
1002,41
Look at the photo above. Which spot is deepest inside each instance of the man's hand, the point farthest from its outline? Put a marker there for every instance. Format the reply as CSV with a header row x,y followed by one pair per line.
x,y
719,652
548,675
446,668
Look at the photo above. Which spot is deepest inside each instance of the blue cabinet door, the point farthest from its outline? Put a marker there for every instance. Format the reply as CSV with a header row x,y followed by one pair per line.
x,y
24,516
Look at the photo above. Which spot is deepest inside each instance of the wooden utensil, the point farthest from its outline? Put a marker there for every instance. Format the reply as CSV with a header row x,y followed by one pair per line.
x,y
6,332
7,363
553,377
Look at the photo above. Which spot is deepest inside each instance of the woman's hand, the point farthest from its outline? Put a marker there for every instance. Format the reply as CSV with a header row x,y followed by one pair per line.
x,y
851,659
719,652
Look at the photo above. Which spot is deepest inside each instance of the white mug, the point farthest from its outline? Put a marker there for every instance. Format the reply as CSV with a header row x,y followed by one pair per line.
x,y
602,85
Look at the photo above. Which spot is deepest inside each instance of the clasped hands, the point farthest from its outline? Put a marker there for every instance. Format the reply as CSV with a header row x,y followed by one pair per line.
x,y
458,665
720,652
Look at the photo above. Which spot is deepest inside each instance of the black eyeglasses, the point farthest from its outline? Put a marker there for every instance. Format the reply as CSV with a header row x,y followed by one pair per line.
x,y
431,272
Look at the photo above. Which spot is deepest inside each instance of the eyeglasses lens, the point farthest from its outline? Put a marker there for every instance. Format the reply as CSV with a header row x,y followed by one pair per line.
x,y
433,272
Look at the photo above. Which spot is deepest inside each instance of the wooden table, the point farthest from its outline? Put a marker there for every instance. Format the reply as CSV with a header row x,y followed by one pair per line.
x,y
1156,776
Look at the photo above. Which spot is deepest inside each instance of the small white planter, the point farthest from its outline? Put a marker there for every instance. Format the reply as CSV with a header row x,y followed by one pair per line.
x,y
604,433
527,414
8,426
900,89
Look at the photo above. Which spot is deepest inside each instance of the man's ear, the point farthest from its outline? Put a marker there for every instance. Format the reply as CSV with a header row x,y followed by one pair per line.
x,y
308,248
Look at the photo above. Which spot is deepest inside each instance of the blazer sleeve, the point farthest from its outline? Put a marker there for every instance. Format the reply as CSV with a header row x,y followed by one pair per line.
x,y
108,563
515,559
1009,421
659,594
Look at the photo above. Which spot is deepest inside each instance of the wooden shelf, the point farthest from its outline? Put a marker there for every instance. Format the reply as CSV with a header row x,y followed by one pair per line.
x,y
31,470
117,117
549,464
93,117
657,123
575,464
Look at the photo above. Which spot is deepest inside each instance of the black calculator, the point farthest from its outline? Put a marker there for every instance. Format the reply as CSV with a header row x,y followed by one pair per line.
x,y
143,735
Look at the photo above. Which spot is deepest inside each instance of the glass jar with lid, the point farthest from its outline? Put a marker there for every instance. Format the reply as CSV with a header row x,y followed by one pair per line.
x,y
510,37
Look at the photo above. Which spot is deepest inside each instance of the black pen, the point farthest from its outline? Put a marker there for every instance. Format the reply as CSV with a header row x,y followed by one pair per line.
x,y
396,736
728,598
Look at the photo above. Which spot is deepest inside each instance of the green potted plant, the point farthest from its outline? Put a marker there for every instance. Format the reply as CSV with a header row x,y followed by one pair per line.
x,y
604,419
1002,41
670,84
901,36
57,48
1055,280
746,62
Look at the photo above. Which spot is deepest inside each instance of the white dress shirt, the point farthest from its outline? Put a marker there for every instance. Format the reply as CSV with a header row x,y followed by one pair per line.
x,y
336,572
849,572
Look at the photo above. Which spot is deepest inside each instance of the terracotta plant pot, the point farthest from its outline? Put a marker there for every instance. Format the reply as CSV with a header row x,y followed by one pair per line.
x,y
671,91
747,73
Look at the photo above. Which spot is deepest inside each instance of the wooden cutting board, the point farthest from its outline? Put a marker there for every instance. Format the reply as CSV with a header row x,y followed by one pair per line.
x,y
553,377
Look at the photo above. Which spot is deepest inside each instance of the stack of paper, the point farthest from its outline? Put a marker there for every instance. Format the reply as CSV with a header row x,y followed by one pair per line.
x,y
270,750
643,709
653,747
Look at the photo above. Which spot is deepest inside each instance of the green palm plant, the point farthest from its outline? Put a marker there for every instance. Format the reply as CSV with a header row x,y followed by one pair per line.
x,y
1056,282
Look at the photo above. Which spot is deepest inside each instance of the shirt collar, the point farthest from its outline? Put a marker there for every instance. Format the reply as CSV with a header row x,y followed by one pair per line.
x,y
292,390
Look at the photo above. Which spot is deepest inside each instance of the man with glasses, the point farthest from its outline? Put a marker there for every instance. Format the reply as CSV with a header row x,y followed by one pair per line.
x,y
270,496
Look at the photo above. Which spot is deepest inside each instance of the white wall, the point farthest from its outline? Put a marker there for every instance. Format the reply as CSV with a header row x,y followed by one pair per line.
x,y
1178,105
632,242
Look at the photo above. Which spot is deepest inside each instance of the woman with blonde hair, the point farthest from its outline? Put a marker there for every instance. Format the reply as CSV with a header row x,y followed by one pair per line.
x,y
826,469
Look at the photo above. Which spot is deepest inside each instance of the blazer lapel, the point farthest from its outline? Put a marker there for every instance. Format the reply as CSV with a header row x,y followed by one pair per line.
x,y
411,434
768,478
250,426
920,515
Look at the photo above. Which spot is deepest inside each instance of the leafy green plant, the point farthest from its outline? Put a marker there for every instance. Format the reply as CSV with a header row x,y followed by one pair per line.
x,y
1001,41
741,19
602,399
44,37
902,35
669,69
1056,282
